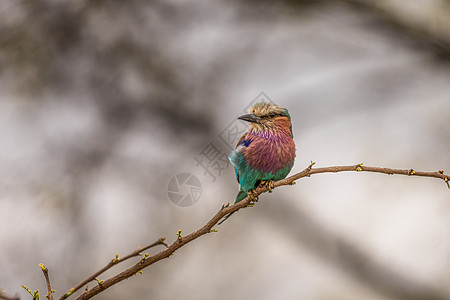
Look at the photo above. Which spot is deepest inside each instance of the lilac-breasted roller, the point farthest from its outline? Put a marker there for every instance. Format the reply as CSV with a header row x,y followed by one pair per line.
x,y
266,152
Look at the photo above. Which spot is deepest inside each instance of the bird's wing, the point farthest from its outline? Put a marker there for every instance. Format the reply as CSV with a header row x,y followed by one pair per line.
x,y
241,139
237,174
237,145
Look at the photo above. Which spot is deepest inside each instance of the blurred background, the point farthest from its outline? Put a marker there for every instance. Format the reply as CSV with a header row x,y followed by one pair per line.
x,y
102,103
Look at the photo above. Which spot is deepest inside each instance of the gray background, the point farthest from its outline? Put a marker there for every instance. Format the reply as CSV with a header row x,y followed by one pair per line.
x,y
102,103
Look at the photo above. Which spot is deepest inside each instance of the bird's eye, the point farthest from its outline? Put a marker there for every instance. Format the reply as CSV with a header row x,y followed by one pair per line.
x,y
272,115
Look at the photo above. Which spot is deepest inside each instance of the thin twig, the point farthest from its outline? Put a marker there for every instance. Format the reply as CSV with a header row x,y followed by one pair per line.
x,y
113,262
227,209
360,167
47,279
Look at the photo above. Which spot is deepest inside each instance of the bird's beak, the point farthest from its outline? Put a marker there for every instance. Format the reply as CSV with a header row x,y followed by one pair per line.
x,y
250,118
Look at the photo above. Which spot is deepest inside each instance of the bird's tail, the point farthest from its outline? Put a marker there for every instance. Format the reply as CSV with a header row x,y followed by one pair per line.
x,y
226,217
240,196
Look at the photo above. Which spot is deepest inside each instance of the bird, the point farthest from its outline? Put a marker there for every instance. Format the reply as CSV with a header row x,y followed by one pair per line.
x,y
266,152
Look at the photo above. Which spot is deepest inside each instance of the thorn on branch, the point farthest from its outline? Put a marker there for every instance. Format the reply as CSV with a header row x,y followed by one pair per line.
x,y
72,290
359,167
145,256
162,241
116,260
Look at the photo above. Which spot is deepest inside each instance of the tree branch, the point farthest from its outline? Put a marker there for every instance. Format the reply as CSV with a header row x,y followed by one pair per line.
x,y
113,262
47,279
227,209
359,168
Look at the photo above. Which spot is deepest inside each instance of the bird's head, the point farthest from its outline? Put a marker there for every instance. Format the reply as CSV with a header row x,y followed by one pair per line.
x,y
266,116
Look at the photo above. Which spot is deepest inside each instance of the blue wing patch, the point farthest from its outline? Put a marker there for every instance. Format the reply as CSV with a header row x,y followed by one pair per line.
x,y
245,142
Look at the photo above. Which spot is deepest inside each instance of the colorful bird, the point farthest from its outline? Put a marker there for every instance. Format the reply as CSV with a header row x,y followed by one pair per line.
x,y
266,152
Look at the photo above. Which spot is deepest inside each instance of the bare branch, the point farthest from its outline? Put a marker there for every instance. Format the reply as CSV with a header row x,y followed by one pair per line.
x,y
359,168
113,262
227,209
47,279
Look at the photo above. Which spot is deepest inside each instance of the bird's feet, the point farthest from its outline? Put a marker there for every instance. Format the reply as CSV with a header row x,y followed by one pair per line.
x,y
268,184
253,196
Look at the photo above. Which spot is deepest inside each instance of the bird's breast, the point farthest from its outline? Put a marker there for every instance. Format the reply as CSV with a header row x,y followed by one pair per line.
x,y
270,152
